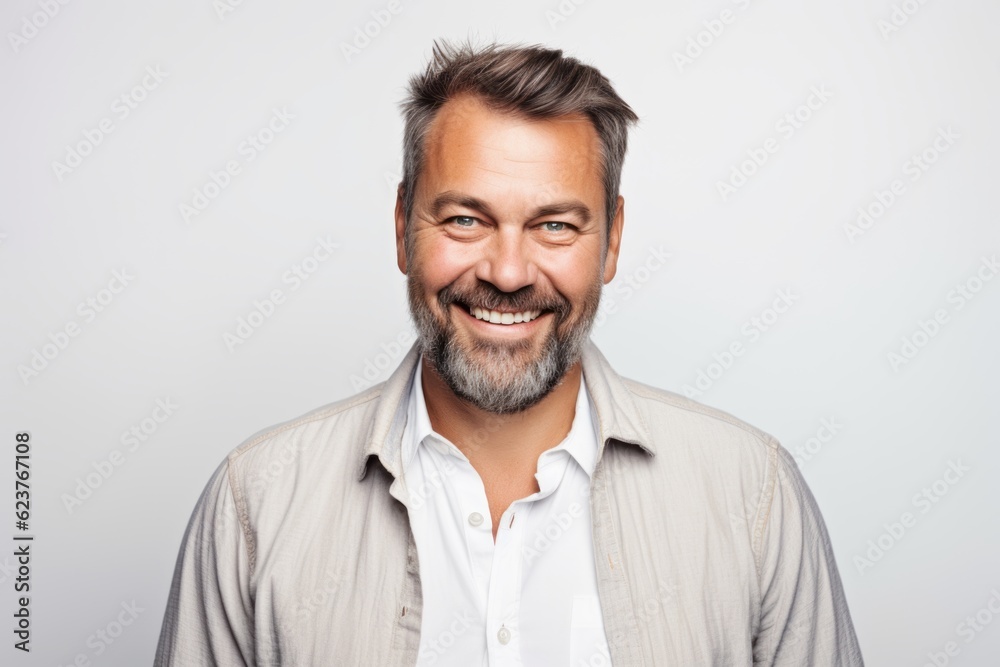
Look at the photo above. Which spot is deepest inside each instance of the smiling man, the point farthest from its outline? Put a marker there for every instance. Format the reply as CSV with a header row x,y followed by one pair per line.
x,y
505,498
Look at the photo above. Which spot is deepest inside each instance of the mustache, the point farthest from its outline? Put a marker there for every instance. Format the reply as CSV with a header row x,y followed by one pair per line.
x,y
489,297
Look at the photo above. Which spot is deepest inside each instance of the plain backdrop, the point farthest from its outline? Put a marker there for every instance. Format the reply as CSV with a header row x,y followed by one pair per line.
x,y
840,158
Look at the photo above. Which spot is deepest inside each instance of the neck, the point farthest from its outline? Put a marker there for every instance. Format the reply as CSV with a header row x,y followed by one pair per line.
x,y
512,442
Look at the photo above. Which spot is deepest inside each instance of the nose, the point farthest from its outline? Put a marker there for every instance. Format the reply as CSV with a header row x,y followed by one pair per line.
x,y
507,263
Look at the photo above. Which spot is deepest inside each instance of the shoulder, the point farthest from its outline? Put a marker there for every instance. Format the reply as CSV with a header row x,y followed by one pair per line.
x,y
671,415
708,455
328,438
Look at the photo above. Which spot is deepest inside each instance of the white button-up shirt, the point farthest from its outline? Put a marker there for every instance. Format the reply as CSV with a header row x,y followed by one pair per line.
x,y
529,599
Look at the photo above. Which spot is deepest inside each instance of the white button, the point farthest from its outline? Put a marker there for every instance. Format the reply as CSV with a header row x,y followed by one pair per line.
x,y
476,519
503,636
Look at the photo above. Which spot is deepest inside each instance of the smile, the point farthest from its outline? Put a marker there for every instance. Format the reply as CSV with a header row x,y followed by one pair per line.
x,y
499,317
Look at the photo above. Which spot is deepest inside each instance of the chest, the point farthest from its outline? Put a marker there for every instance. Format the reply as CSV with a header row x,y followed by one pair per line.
x,y
522,584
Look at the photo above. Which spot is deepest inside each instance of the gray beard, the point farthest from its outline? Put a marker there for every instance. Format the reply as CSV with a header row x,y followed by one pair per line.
x,y
493,376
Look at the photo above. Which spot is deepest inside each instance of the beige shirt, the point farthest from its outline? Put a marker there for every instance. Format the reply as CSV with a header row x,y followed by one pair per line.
x,y
710,548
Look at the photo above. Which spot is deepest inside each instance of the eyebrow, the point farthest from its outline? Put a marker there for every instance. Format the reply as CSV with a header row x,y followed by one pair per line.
x,y
452,198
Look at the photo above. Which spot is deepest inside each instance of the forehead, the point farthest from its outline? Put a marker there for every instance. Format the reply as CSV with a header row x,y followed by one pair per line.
x,y
468,141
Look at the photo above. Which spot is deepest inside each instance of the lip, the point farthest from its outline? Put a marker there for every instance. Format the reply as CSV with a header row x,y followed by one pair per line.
x,y
513,330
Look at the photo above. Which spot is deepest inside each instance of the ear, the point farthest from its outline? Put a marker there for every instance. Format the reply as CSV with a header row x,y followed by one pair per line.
x,y
614,242
400,230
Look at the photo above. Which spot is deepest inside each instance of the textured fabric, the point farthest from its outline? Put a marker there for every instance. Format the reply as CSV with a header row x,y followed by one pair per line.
x,y
530,599
710,548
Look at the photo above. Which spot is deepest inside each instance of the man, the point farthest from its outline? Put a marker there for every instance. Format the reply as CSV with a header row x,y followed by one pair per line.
x,y
506,498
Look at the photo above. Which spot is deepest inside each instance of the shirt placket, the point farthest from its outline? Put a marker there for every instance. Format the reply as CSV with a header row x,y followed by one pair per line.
x,y
503,631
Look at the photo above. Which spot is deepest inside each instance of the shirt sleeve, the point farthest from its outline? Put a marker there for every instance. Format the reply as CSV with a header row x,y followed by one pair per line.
x,y
804,616
209,616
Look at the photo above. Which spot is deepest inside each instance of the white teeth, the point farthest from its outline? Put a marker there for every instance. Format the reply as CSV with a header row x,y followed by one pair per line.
x,y
497,317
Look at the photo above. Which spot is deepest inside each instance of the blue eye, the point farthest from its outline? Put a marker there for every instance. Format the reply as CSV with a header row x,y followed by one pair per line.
x,y
559,226
464,220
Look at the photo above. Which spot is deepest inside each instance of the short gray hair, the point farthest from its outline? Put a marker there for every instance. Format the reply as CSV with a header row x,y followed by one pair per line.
x,y
533,81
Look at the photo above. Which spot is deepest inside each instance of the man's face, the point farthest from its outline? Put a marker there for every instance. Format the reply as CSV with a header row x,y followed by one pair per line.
x,y
506,255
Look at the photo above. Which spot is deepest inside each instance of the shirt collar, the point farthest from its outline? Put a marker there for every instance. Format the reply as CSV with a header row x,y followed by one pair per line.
x,y
418,422
614,410
580,442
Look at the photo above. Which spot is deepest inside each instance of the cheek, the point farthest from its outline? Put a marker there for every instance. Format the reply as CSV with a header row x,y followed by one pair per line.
x,y
575,276
438,265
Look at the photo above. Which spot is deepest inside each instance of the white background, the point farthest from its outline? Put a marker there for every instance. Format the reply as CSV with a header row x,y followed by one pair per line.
x,y
330,173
